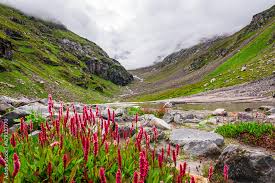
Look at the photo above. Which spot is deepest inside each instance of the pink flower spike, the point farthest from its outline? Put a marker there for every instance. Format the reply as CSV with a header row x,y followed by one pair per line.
x,y
225,172
118,176
135,177
16,165
54,144
102,175
192,180
2,161
12,140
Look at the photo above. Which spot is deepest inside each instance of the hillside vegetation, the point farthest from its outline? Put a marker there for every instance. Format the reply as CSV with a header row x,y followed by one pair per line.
x,y
39,57
219,62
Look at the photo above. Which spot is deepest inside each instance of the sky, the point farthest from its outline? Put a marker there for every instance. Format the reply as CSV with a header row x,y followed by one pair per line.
x,y
140,32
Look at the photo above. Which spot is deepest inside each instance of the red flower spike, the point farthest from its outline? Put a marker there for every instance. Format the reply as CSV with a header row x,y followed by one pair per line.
x,y
118,176
12,140
174,157
210,172
192,180
135,179
65,161
102,175
119,158
2,161
16,165
225,172
49,169
177,149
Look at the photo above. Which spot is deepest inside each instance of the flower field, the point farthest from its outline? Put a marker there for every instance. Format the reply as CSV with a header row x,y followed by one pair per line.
x,y
84,147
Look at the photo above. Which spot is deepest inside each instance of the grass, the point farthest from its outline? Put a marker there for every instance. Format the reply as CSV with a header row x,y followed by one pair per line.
x,y
260,134
255,56
253,128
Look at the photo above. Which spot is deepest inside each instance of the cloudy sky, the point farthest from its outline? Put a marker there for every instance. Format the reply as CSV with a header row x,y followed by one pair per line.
x,y
139,32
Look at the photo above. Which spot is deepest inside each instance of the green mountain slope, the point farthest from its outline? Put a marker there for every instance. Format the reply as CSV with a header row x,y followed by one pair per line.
x,y
39,57
215,63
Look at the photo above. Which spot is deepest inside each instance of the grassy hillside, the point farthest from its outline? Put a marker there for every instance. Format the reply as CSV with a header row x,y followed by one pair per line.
x,y
190,71
39,57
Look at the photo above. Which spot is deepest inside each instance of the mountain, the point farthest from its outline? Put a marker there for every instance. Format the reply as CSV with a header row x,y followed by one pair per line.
x,y
221,61
38,57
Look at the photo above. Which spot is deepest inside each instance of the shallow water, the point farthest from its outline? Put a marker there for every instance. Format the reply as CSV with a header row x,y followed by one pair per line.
x,y
228,106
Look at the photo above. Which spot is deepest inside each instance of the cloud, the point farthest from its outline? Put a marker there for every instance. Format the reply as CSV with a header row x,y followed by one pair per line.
x,y
140,32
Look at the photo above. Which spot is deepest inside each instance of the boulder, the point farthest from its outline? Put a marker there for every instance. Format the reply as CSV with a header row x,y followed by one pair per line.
x,y
5,108
14,102
245,116
265,107
168,105
247,165
14,128
202,149
271,117
120,112
151,121
271,111
15,114
184,136
168,117
219,112
35,107
34,133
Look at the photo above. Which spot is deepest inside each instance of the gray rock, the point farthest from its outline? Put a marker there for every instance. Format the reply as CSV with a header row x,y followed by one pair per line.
x,y
265,107
34,133
14,102
245,116
271,117
168,117
151,121
5,108
202,149
14,128
271,111
247,165
184,136
120,112
219,112
36,107
168,105
15,114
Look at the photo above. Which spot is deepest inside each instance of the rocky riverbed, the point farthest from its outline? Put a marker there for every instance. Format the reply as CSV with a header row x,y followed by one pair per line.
x,y
192,130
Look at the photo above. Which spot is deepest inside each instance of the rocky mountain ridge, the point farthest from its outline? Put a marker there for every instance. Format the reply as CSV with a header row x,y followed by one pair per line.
x,y
46,57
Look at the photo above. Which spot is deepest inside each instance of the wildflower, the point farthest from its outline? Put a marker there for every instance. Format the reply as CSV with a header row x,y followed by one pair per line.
x,y
119,158
160,160
106,147
179,179
118,176
210,172
225,172
61,142
16,165
65,160
31,125
192,180
135,179
174,157
49,169
95,144
54,144
168,150
177,149
102,175
143,165
12,140
155,133
2,161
